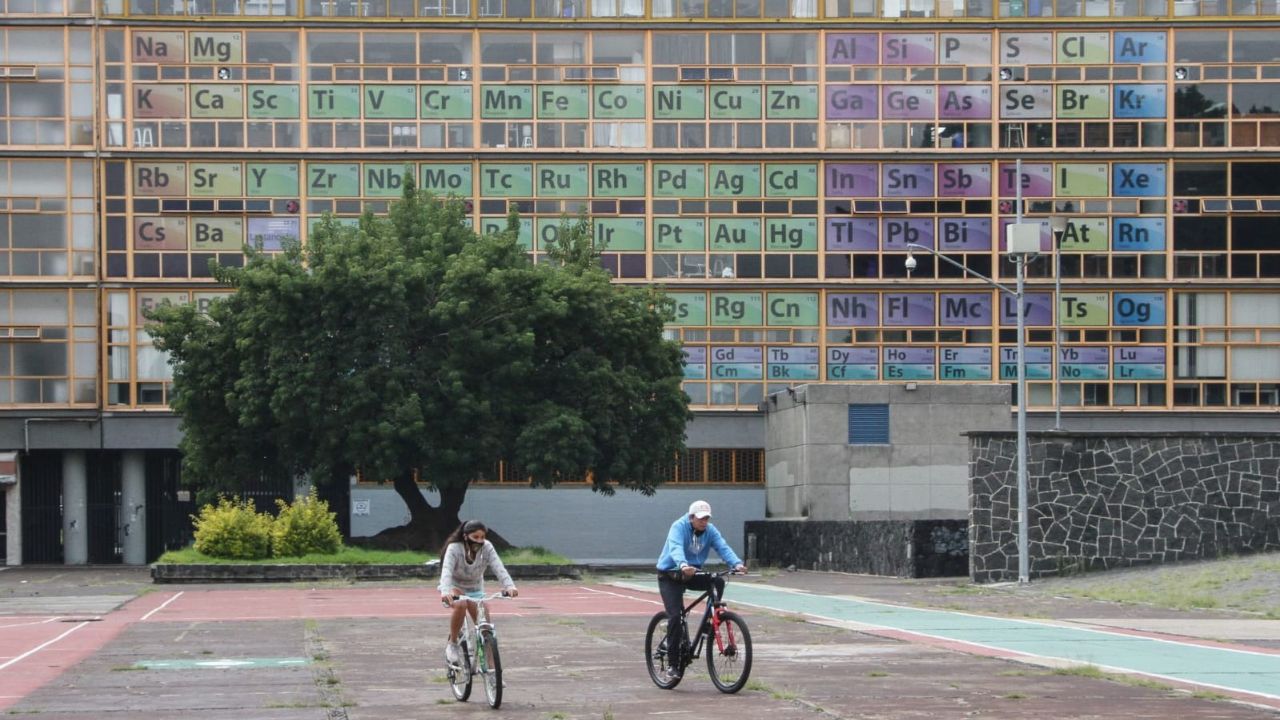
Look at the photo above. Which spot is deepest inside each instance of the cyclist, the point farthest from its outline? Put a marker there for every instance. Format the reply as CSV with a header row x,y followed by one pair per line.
x,y
463,560
690,540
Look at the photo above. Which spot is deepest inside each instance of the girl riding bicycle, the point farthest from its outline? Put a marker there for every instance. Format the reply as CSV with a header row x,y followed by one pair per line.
x,y
463,560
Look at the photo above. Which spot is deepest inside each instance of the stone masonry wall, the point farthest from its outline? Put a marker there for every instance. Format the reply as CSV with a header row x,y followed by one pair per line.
x,y
900,548
1099,501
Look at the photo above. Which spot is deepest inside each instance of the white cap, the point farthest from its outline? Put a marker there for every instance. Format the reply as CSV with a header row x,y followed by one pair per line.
x,y
700,509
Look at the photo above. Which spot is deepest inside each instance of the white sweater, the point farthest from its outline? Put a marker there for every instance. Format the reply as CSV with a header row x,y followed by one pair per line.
x,y
456,572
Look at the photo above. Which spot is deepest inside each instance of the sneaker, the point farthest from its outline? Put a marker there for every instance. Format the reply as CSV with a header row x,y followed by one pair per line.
x,y
452,654
671,675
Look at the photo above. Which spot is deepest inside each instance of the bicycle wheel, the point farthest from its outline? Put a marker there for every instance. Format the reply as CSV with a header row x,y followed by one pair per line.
x,y
729,654
655,652
491,668
460,676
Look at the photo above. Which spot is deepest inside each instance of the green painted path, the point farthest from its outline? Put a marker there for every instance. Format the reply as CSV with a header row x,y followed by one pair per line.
x,y
1239,670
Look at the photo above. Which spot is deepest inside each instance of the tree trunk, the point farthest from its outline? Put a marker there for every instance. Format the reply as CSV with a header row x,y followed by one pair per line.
x,y
428,526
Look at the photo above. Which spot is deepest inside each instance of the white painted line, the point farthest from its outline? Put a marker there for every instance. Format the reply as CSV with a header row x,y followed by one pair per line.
x,y
33,622
42,646
162,606
628,597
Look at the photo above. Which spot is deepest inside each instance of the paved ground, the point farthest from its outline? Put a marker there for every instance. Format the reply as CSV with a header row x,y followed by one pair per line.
x,y
572,650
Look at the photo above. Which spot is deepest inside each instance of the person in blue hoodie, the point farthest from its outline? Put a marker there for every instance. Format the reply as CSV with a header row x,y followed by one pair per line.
x,y
690,540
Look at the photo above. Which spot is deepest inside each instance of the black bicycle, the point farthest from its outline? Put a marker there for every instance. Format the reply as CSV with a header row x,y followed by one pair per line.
x,y
724,634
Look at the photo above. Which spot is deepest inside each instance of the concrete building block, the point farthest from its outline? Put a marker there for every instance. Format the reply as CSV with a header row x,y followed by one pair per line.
x,y
785,502
787,430
900,395
826,465
949,500
859,476
913,499
866,501
782,472
911,456
828,424
828,502
821,394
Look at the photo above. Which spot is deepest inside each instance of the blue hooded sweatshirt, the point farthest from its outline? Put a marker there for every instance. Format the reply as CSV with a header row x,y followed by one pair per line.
x,y
683,548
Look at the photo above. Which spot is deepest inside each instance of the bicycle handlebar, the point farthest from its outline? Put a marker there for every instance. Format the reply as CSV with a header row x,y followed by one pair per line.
x,y
491,596
708,573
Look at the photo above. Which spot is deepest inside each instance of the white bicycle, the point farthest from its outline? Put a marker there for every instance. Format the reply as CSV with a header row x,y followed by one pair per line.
x,y
478,646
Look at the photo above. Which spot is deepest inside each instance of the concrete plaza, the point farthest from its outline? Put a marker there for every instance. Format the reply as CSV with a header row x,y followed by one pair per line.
x,y
573,650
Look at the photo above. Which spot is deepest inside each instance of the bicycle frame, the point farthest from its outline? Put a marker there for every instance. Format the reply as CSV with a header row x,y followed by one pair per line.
x,y
710,617
472,629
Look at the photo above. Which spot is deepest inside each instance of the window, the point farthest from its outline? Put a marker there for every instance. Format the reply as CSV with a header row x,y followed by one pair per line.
x,y
869,424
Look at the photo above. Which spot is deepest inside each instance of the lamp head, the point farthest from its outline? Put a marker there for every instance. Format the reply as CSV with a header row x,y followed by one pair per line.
x,y
1058,224
910,264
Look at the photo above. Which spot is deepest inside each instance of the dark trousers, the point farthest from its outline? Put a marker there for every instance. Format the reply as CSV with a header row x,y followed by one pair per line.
x,y
672,592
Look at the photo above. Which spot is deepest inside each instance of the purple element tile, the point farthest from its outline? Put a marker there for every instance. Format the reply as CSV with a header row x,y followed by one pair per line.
x,y
964,309
908,102
964,180
899,231
909,49
1139,355
967,355
1083,355
852,355
910,355
793,355
723,354
1037,179
1038,308
964,234
852,180
855,234
1035,355
851,102
907,180
695,354
853,309
908,309
964,102
852,49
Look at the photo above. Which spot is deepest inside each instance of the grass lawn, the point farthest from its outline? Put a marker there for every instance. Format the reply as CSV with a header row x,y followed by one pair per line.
x,y
361,556
1249,583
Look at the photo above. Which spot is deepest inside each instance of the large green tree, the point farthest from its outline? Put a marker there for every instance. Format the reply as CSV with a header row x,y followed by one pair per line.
x,y
409,344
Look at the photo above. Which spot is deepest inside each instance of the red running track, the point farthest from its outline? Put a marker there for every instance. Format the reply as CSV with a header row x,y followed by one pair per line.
x,y
36,649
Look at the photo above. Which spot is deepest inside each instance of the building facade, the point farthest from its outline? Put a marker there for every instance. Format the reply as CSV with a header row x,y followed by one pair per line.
x,y
765,160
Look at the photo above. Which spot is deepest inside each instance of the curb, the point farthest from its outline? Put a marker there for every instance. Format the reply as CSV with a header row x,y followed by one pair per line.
x,y
171,573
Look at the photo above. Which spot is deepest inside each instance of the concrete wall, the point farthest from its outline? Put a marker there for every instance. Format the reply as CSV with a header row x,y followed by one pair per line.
x,y
813,472
576,522
1100,501
13,523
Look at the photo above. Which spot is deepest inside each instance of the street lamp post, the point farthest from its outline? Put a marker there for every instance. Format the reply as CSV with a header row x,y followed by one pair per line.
x,y
1023,241
1058,224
